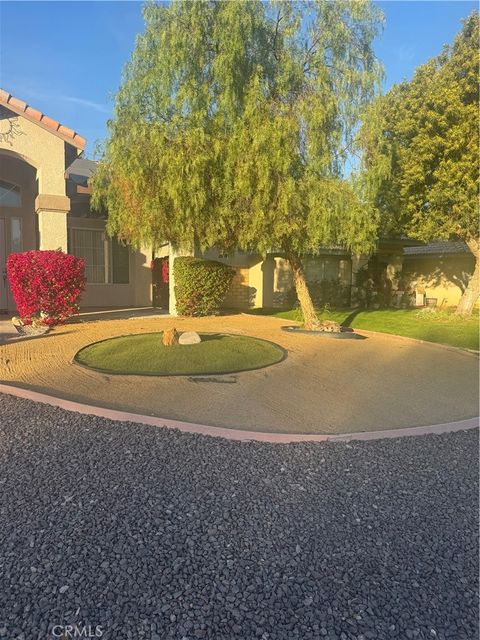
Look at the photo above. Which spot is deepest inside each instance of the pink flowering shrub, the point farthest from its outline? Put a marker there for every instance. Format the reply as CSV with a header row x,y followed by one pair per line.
x,y
46,285
161,269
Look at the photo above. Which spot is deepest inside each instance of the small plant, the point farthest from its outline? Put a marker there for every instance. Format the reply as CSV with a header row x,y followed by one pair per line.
x,y
46,285
200,285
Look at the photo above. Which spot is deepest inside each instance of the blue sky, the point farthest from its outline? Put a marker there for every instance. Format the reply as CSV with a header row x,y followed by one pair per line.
x,y
66,58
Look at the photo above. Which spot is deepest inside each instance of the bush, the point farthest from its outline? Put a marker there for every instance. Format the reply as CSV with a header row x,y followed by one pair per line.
x,y
46,285
200,285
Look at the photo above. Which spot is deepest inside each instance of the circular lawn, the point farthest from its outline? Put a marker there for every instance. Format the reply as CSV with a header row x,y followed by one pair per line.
x,y
145,354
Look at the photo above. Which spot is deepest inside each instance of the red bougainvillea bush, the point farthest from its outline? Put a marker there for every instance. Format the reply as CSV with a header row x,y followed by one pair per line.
x,y
46,285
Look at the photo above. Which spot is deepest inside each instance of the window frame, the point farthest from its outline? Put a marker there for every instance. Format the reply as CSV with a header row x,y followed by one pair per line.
x,y
16,187
107,257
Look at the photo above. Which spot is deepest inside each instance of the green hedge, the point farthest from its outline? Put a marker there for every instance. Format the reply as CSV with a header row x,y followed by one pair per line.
x,y
200,285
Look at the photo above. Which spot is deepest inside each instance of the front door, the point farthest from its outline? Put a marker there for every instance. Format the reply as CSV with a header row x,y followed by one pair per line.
x,y
3,268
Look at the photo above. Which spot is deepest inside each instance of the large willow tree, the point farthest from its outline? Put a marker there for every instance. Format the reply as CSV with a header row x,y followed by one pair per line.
x,y
233,126
421,150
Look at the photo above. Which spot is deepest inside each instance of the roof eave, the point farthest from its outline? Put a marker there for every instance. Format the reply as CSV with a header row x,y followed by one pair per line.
x,y
21,108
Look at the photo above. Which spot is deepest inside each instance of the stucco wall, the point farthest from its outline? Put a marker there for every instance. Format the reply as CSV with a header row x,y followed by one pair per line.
x,y
247,288
52,230
136,293
43,150
443,278
240,295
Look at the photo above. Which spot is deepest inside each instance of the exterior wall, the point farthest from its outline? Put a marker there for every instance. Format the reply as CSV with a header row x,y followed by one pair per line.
x,y
256,284
52,230
317,268
240,294
20,173
34,159
174,253
136,293
43,150
248,287
440,277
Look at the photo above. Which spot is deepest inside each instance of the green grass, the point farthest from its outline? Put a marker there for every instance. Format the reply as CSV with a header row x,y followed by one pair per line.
x,y
442,327
144,354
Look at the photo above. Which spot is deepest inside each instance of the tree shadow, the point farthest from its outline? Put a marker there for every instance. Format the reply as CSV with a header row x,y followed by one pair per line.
x,y
350,318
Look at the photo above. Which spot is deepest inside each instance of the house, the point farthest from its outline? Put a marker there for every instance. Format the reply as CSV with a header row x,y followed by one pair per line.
x,y
44,204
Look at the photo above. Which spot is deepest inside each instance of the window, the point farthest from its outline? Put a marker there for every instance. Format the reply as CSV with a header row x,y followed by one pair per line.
x,y
9,195
328,268
119,262
106,260
16,244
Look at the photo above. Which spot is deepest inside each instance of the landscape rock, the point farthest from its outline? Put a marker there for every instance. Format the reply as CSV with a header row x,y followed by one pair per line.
x,y
189,337
330,326
158,514
170,337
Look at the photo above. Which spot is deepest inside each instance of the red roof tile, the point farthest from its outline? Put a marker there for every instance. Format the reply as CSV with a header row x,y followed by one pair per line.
x,y
22,108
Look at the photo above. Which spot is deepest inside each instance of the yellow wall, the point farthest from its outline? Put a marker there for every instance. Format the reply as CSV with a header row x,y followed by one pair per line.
x,y
441,277
43,150
138,292
240,295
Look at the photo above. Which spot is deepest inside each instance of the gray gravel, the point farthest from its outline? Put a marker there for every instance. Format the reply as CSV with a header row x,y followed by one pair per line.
x,y
150,533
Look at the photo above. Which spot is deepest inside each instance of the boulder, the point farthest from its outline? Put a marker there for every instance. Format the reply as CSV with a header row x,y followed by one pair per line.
x,y
170,337
189,337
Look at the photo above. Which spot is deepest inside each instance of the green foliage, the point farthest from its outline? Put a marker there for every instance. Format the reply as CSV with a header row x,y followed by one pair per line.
x,y
200,285
441,327
234,123
420,146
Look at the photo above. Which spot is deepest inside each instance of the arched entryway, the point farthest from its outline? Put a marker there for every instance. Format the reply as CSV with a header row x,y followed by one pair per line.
x,y
18,222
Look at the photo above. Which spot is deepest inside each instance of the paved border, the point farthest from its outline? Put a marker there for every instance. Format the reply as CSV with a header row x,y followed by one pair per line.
x,y
235,434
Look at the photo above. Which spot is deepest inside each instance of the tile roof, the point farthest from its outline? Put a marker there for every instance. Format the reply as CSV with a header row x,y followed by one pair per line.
x,y
23,109
81,170
443,247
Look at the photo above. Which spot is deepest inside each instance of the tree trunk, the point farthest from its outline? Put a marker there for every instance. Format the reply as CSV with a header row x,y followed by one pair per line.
x,y
472,292
310,320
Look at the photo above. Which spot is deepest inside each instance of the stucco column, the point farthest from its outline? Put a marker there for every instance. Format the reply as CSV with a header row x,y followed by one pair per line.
x,y
172,254
268,272
255,282
52,213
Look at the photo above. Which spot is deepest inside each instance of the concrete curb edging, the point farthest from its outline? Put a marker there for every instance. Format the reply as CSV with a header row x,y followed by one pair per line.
x,y
234,434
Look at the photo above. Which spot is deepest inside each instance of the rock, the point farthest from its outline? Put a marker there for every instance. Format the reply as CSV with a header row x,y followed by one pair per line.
x,y
329,325
189,337
170,337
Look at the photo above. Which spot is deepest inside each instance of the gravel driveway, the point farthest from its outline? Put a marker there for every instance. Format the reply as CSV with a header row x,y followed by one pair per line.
x,y
141,532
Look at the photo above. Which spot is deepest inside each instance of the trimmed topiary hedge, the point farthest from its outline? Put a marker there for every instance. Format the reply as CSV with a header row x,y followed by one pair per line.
x,y
200,285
